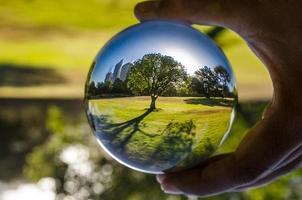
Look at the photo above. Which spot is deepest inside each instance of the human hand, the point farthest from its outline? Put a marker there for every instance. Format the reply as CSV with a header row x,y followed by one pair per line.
x,y
273,147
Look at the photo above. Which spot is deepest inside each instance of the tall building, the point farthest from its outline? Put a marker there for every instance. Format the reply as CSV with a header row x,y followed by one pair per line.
x,y
108,77
124,71
117,70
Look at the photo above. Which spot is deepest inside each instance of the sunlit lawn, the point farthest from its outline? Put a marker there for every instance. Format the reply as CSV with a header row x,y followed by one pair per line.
x,y
149,140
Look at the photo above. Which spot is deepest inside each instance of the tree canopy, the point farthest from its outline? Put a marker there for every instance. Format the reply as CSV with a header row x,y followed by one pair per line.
x,y
154,74
211,82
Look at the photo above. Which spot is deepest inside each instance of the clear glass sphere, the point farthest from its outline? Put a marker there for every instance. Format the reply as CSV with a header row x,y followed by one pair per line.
x,y
160,97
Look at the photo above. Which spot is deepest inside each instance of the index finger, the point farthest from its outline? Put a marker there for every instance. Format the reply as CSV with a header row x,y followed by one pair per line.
x,y
207,12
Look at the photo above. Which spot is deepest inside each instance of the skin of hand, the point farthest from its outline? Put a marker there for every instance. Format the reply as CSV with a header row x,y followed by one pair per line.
x,y
273,147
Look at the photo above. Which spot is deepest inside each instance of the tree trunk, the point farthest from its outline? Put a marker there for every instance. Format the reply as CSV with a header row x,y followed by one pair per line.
x,y
152,104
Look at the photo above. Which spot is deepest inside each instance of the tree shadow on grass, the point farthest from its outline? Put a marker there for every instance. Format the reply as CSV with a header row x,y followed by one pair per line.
x,y
119,134
174,148
19,75
178,138
211,102
195,157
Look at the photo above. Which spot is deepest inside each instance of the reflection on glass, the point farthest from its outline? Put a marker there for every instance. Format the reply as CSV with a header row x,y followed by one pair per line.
x,y
160,97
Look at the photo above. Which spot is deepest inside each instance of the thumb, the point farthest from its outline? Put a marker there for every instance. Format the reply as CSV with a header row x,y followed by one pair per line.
x,y
206,12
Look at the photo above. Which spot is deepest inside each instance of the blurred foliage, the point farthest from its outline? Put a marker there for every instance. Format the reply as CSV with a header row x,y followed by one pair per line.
x,y
97,176
43,160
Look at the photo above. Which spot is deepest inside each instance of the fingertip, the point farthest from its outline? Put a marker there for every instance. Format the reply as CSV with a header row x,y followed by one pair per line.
x,y
167,184
146,10
170,188
160,178
170,183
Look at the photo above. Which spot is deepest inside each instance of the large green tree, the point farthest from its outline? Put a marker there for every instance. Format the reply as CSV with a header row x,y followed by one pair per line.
x,y
205,82
153,75
211,82
224,79
223,74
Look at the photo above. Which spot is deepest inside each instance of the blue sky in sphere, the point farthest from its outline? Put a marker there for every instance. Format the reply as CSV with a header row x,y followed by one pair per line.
x,y
185,44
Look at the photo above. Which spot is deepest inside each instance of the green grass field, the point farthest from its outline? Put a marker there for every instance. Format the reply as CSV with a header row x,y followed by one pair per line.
x,y
177,133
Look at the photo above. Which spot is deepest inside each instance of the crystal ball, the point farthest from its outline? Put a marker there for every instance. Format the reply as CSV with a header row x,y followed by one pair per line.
x,y
160,97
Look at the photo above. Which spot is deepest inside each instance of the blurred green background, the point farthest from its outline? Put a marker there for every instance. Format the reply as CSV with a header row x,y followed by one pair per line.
x,y
47,149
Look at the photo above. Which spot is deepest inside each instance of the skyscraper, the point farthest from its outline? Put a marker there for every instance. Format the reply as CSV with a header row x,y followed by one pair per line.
x,y
124,71
108,77
117,70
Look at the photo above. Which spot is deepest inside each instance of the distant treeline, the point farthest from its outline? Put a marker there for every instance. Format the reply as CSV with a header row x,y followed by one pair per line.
x,y
157,75
206,82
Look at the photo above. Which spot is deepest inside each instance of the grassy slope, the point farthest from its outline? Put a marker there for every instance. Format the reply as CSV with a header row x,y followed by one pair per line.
x,y
54,51
211,124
